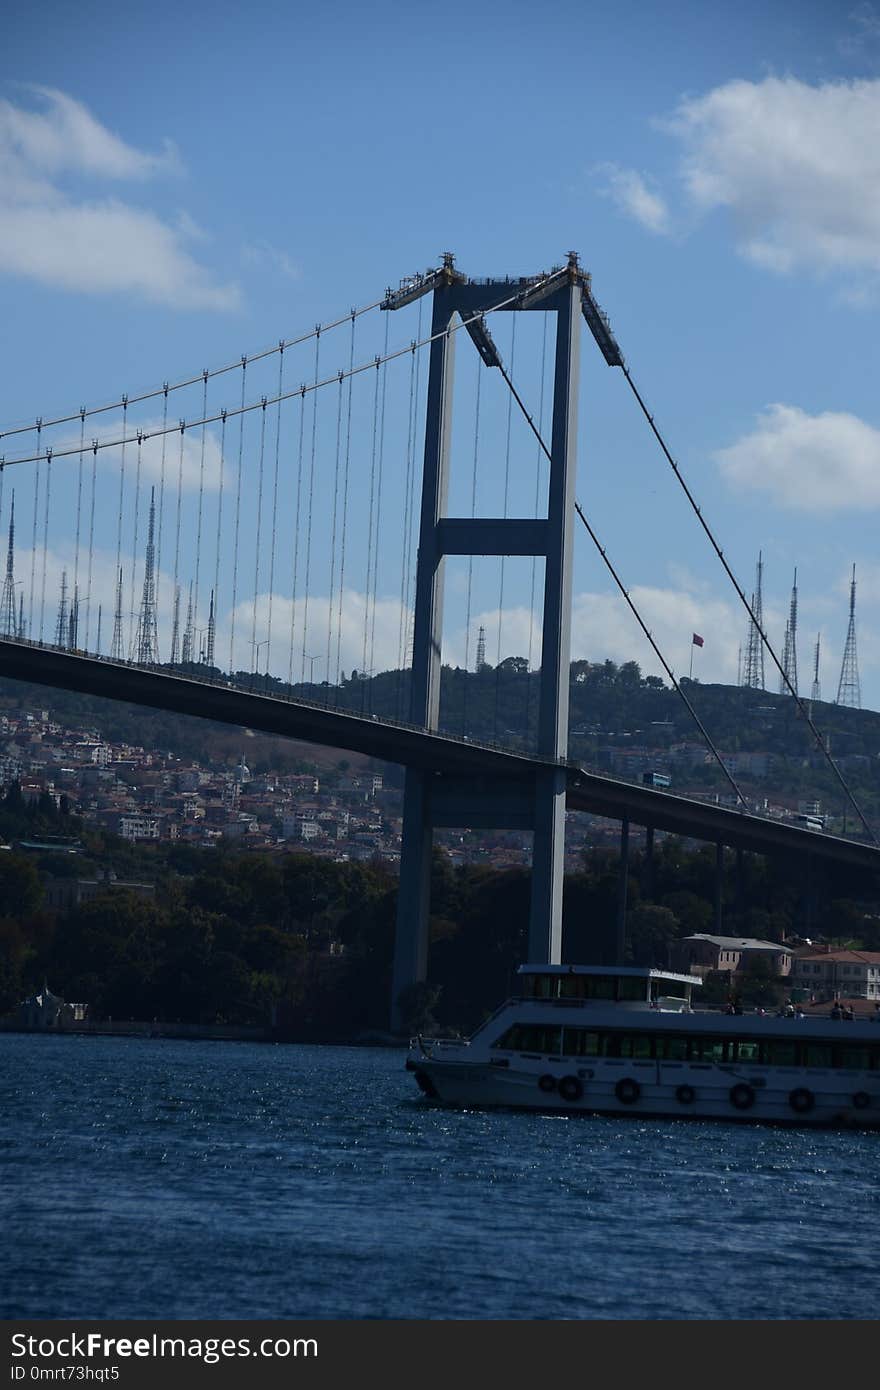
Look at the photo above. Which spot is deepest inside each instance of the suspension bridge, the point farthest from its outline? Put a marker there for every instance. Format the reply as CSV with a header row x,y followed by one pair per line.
x,y
204,546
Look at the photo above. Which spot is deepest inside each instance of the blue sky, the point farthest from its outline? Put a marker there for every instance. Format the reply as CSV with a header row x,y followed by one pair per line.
x,y
183,185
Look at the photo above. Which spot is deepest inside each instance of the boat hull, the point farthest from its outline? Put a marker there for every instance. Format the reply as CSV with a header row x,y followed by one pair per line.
x,y
800,1097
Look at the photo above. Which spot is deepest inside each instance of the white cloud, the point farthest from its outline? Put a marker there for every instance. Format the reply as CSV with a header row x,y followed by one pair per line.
x,y
825,462
632,195
91,244
263,255
797,166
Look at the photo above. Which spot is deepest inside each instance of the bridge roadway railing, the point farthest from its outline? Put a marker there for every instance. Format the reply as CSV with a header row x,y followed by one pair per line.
x,y
403,742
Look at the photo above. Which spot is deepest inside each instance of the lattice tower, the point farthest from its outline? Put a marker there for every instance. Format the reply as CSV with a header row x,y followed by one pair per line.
x,y
816,692
62,629
209,644
175,628
754,668
789,651
7,602
116,650
481,649
849,690
147,641
186,654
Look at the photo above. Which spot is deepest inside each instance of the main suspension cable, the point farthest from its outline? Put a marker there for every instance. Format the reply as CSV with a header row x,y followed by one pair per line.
x,y
799,703
741,801
188,381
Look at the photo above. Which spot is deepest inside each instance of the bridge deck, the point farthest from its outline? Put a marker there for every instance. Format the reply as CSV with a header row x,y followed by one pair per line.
x,y
439,753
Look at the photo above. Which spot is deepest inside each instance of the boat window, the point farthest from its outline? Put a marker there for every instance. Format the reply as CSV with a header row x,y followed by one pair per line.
x,y
530,1037
816,1055
631,987
707,1049
747,1051
635,1045
672,1049
600,986
779,1052
578,1042
854,1058
571,986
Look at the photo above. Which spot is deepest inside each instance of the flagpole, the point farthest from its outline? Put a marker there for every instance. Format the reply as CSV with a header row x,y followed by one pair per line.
x,y
691,671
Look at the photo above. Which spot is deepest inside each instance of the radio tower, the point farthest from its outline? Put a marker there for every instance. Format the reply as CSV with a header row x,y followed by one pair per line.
x,y
98,635
849,690
62,630
789,650
175,627
186,654
209,648
116,643
8,624
147,643
73,621
481,649
21,616
754,668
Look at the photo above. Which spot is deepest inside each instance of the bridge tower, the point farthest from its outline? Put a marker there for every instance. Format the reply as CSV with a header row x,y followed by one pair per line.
x,y
534,800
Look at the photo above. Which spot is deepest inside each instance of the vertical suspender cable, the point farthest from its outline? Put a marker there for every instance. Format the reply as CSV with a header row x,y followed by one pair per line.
x,y
174,654
237,519
275,503
506,500
333,531
137,507
45,538
370,534
201,501
308,574
377,548
344,510
539,467
121,497
296,528
220,514
467,628
79,488
404,562
254,648
32,593
161,500
91,542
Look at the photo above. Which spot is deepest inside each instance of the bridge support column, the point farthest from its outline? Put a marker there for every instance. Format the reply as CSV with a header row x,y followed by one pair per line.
x,y
414,891
622,888
719,888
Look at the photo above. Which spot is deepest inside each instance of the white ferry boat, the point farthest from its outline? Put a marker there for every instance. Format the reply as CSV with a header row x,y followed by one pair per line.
x,y
616,1040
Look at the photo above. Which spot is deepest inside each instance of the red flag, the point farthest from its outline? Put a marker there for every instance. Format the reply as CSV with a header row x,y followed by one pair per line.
x,y
697,640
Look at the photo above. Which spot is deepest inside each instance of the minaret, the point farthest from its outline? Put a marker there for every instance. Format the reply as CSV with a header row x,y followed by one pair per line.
x,y
147,641
815,693
481,649
754,669
116,653
175,628
186,654
789,651
849,691
209,650
7,602
61,625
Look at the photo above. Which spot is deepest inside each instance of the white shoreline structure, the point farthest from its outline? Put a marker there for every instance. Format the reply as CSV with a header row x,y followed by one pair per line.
x,y
624,1040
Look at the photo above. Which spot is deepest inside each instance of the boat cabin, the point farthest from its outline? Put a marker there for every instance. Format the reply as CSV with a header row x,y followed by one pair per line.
x,y
630,986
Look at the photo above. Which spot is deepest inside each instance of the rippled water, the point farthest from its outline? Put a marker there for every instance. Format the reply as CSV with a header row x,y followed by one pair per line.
x,y
148,1178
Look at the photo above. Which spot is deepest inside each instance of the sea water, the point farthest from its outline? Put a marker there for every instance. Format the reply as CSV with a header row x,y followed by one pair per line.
x,y
158,1179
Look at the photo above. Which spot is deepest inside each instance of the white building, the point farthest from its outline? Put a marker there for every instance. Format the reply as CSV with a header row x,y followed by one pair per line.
x,y
839,974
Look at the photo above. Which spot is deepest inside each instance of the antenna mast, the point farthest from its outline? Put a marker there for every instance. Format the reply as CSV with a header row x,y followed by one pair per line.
x,y
849,690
